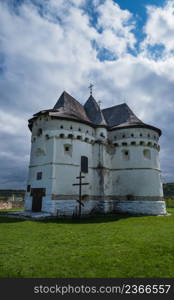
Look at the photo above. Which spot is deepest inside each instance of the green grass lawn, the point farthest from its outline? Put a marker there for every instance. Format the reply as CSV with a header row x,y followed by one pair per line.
x,y
110,246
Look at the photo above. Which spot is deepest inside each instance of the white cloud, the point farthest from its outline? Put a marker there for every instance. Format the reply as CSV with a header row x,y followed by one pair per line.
x,y
117,25
160,26
44,54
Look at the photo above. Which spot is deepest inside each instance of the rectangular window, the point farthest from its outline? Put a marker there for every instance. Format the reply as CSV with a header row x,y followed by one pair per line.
x,y
84,164
147,154
125,154
28,188
39,175
68,149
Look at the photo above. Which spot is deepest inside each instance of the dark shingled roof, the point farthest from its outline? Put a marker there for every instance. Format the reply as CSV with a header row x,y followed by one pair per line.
x,y
94,112
115,117
120,114
67,106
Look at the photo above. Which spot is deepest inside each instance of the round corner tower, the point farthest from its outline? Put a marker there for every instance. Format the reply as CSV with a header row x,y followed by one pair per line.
x,y
122,154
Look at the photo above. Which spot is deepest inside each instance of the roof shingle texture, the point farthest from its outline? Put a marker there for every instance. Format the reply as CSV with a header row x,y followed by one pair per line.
x,y
115,117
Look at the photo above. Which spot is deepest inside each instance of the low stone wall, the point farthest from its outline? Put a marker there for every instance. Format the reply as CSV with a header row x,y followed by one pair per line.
x,y
12,204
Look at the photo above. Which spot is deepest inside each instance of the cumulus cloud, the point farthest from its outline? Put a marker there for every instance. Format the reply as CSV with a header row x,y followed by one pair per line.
x,y
159,28
50,46
116,25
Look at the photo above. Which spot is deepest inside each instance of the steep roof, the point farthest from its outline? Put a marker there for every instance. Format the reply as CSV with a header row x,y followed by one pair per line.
x,y
120,114
115,117
69,107
94,112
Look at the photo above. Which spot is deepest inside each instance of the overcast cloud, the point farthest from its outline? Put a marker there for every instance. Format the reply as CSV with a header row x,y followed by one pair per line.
x,y
50,46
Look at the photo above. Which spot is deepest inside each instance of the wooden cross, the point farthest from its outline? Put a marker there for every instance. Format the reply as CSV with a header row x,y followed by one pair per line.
x,y
80,191
90,88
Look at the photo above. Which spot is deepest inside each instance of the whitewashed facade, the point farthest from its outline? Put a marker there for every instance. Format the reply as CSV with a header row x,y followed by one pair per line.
x,y
123,165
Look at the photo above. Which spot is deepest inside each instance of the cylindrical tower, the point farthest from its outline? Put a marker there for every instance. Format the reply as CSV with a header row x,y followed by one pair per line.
x,y
136,171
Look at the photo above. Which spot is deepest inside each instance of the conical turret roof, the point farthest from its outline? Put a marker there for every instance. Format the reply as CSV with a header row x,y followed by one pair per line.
x,y
66,105
120,115
94,112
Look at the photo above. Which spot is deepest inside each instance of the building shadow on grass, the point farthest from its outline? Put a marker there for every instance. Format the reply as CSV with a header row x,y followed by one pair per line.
x,y
100,218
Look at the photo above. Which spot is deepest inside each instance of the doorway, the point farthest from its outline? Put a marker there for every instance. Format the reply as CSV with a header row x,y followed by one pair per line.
x,y
37,194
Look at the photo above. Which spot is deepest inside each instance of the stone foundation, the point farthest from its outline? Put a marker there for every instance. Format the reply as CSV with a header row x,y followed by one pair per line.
x,y
142,207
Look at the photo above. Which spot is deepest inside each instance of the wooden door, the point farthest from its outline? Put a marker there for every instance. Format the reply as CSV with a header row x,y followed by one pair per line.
x,y
37,200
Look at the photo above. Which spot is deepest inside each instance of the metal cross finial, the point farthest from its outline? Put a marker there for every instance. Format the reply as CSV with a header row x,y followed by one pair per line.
x,y
90,88
99,103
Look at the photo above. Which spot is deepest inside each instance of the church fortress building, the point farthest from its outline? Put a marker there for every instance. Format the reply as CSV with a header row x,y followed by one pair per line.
x,y
122,154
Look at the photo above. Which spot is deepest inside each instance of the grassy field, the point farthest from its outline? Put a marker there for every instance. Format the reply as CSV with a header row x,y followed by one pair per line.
x,y
110,246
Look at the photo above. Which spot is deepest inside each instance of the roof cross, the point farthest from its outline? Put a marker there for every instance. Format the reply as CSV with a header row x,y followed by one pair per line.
x,y
90,88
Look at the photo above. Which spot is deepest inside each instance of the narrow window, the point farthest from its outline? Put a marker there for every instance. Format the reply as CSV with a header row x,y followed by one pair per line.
x,y
123,136
132,135
39,132
124,144
39,175
133,143
61,126
71,127
141,134
28,188
102,135
79,129
84,164
147,154
62,135
125,154
68,149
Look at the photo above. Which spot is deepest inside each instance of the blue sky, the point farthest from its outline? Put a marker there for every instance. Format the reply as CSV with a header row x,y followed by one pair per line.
x,y
125,47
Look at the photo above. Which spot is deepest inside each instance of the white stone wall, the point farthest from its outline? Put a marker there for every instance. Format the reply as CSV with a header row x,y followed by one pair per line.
x,y
110,173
